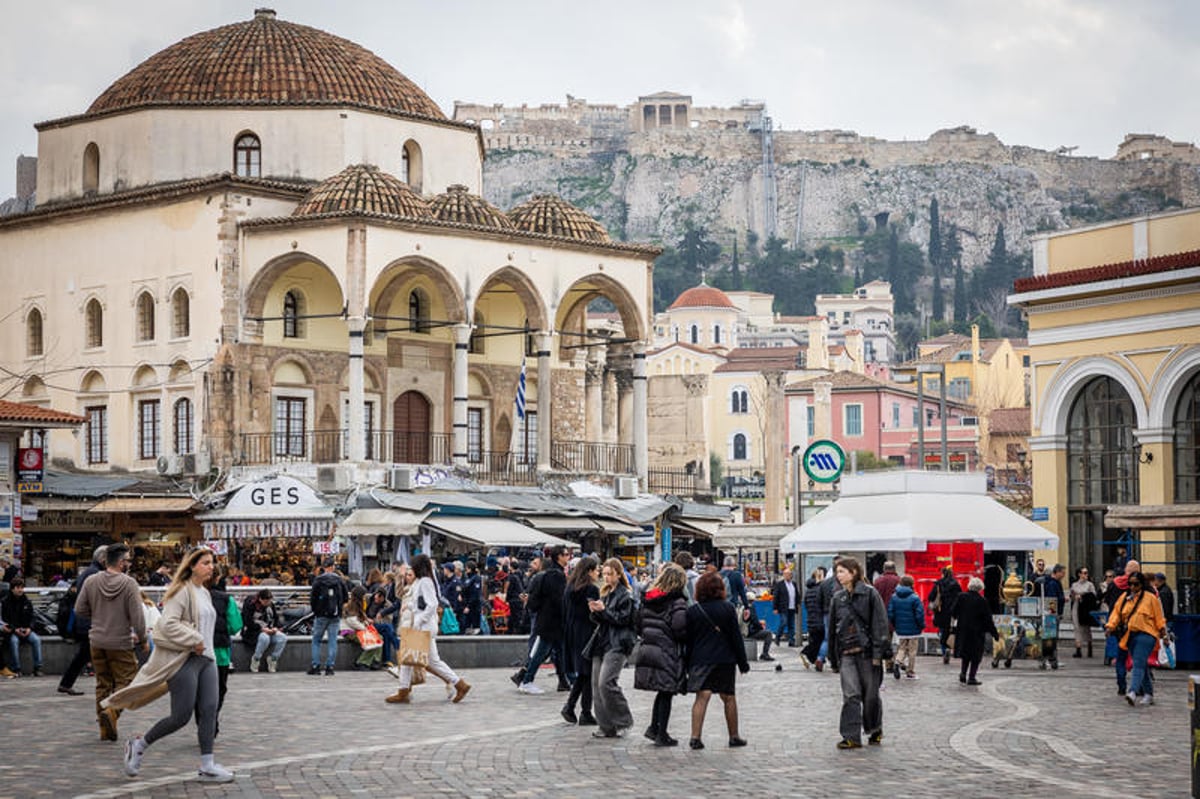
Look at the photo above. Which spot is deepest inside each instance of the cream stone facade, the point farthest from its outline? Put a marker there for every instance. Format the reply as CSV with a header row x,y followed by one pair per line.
x,y
311,279
1114,337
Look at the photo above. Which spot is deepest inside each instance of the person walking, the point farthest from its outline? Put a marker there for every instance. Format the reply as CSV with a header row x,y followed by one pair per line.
x,y
577,630
545,603
814,619
1084,601
907,616
662,624
941,600
859,638
228,624
326,599
610,645
1137,621
184,665
425,616
112,603
715,648
78,627
785,600
973,618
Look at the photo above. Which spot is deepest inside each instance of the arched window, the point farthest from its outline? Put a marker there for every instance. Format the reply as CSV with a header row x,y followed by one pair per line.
x,y
182,430
411,165
716,334
1101,467
418,312
293,310
247,156
475,344
145,317
181,314
694,334
739,447
739,401
1187,442
91,169
93,316
33,333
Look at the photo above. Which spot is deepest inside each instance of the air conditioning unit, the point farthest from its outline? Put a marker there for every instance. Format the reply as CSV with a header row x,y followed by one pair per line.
x,y
332,478
970,421
197,463
401,478
626,487
171,465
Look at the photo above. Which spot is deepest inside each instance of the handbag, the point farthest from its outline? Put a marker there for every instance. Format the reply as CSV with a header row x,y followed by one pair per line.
x,y
449,625
369,638
1166,653
414,646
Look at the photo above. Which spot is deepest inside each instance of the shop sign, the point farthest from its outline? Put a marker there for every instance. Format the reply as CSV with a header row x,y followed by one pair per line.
x,y
217,547
5,459
6,513
280,497
29,465
29,513
72,521
666,543
1040,514
325,547
30,488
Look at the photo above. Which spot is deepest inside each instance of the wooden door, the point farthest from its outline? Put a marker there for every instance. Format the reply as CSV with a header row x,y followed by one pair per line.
x,y
410,420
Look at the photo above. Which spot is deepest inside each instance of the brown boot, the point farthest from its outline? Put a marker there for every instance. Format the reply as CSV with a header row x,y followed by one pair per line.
x,y
460,690
400,697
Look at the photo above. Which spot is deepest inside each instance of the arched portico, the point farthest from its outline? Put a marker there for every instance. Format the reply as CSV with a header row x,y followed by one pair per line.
x,y
1065,386
294,298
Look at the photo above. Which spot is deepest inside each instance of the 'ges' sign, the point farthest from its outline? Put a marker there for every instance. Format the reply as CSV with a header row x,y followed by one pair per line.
x,y
274,495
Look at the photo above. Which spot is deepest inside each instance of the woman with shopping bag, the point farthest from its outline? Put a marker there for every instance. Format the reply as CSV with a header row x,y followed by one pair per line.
x,y
423,608
354,617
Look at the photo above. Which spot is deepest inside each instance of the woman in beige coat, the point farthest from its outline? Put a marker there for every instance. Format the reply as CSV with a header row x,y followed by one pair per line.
x,y
184,664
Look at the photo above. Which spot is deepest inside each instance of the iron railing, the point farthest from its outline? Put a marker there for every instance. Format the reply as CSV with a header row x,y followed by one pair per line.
x,y
332,446
592,456
502,468
679,482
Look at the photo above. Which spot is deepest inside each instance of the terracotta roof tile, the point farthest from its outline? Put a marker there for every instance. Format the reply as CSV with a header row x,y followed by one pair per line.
x,y
552,215
1094,274
702,296
266,61
20,412
1011,421
460,206
363,189
754,359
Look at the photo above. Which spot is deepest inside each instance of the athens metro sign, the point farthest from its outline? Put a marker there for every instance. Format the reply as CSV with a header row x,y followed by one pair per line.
x,y
824,461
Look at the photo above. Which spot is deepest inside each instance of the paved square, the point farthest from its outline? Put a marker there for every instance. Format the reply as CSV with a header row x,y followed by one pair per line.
x,y
1023,733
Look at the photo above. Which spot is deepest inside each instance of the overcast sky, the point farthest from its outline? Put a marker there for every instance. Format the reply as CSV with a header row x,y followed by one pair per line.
x,y
1042,73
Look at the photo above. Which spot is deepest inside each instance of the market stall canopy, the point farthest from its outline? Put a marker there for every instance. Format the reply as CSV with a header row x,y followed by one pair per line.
x,y
1153,517
276,507
492,531
144,505
381,521
731,537
903,511
574,524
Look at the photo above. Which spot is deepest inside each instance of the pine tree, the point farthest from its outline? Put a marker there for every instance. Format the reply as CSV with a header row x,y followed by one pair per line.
x,y
960,293
735,277
935,260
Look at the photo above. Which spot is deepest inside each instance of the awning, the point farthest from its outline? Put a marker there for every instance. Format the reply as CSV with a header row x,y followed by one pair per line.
x,y
703,528
617,527
381,521
144,505
749,536
581,524
1153,517
492,531
912,510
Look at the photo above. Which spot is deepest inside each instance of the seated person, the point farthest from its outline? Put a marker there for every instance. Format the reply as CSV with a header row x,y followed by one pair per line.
x,y
354,618
756,630
380,613
264,629
16,621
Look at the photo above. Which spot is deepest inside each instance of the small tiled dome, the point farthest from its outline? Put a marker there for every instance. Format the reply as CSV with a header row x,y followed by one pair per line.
x,y
554,216
266,61
363,189
702,296
459,205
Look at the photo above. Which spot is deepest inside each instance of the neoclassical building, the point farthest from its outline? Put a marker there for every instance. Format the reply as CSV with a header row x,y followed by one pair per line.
x,y
1114,340
264,244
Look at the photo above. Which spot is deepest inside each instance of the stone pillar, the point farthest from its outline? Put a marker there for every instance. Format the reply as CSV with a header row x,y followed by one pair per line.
x,y
545,385
462,337
609,402
356,262
593,394
773,444
624,378
822,410
641,441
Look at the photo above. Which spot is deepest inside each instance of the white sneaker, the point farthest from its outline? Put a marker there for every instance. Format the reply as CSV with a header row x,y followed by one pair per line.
x,y
272,665
133,756
529,688
394,671
1130,697
215,773
254,664
1146,700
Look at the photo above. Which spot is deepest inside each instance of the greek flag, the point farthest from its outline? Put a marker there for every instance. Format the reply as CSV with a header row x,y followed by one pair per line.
x,y
521,391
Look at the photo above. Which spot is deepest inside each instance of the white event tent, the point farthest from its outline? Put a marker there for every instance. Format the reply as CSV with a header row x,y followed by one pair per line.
x,y
902,511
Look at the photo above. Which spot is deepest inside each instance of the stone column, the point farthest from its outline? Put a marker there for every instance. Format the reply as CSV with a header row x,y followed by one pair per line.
x,y
641,441
356,261
624,378
593,394
462,337
545,387
609,402
772,447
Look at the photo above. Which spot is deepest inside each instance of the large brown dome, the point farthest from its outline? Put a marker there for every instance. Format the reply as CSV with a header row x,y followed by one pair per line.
x,y
267,62
551,215
363,189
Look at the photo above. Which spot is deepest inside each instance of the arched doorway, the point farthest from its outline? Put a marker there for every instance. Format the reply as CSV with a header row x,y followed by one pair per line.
x,y
410,420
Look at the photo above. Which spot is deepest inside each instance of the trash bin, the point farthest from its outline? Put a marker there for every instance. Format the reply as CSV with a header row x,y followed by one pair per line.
x,y
1187,641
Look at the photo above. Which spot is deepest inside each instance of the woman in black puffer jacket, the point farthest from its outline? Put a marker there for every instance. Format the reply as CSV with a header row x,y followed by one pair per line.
x,y
942,598
662,624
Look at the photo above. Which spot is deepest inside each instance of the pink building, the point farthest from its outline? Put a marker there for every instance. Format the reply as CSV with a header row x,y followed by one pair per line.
x,y
863,413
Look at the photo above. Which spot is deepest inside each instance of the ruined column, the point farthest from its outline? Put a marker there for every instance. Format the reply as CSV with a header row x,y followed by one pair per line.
x,y
545,385
593,394
624,378
641,442
773,445
462,337
609,403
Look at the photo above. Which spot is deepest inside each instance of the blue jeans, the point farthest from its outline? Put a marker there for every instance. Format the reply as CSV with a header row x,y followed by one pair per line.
x,y
391,642
541,650
14,653
823,652
787,626
1141,646
325,627
278,639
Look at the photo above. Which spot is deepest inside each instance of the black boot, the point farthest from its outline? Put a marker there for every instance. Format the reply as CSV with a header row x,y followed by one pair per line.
x,y
519,677
1089,648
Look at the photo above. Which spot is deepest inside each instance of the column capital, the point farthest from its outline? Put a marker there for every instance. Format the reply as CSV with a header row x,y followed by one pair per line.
x,y
462,333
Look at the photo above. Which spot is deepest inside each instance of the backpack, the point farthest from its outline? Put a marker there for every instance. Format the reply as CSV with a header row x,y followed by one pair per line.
x,y
250,629
325,602
64,614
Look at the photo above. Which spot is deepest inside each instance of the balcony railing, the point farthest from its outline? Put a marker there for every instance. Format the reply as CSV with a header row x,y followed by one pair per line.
x,y
591,456
679,482
502,468
331,446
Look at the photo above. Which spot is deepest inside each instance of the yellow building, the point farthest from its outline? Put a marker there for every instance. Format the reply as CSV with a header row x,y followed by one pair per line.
x,y
1114,339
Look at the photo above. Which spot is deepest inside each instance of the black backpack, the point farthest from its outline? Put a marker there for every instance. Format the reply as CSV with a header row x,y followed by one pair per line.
x,y
326,599
64,613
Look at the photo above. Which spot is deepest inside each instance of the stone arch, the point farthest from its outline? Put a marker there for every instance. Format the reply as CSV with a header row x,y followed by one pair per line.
x,y
144,376
372,381
289,365
181,371
580,293
34,388
479,384
404,274
1064,387
503,433
93,383
1168,384
262,281
526,291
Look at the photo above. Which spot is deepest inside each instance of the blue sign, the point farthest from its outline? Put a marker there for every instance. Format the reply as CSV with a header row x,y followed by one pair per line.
x,y
1040,514
666,543
824,461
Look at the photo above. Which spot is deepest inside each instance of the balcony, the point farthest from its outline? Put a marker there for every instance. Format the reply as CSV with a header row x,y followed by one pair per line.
x,y
590,457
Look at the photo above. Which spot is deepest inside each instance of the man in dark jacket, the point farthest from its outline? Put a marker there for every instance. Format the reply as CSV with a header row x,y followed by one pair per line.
x,y
785,599
83,651
814,620
735,584
545,603
829,586
326,599
16,622
1166,596
859,640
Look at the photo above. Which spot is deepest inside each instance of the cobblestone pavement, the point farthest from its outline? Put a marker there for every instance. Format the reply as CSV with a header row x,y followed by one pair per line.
x,y
1024,732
